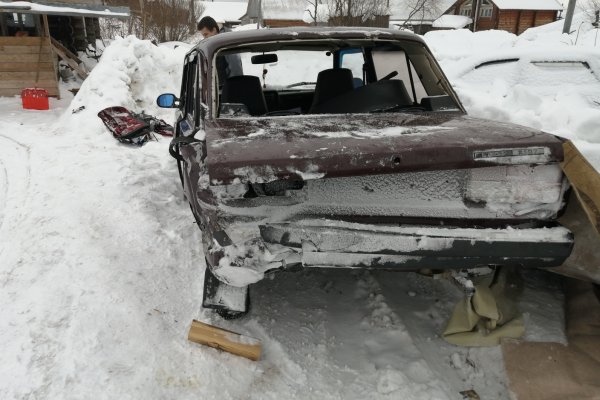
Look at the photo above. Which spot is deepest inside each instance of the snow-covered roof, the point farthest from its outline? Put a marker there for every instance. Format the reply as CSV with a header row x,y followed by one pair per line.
x,y
452,21
84,10
283,9
528,4
401,10
224,11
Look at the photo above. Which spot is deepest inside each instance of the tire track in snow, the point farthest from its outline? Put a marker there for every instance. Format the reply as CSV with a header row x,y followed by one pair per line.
x,y
15,177
15,173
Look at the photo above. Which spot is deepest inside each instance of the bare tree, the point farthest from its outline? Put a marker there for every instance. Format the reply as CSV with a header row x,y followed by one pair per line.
x,y
420,9
356,12
313,10
161,20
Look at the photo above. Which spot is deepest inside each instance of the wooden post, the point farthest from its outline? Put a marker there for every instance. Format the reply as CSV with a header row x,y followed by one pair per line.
x,y
47,37
225,340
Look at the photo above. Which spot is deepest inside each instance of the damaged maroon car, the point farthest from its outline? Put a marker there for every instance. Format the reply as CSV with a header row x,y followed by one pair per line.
x,y
348,148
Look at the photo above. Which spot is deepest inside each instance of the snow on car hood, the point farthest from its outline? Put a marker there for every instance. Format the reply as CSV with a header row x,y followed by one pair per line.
x,y
266,149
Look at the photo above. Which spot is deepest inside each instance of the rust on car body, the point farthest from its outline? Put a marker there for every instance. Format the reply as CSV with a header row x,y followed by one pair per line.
x,y
338,147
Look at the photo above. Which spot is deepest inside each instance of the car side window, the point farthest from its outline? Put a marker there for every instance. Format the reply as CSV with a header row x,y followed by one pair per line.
x,y
353,60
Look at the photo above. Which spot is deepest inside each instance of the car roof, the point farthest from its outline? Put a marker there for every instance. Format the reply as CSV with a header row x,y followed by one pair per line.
x,y
210,45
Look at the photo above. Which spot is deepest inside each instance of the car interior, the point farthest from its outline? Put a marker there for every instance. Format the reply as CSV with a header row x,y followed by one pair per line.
x,y
375,85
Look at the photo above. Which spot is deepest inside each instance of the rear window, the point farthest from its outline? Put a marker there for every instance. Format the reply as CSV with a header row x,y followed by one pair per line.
x,y
330,77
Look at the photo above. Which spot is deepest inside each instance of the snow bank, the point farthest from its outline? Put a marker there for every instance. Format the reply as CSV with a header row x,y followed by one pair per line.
x,y
131,73
560,98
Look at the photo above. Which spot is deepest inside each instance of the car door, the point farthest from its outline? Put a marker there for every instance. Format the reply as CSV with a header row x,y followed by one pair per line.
x,y
189,144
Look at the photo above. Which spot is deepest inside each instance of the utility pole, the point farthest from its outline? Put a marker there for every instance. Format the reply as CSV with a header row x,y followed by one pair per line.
x,y
260,14
569,16
476,5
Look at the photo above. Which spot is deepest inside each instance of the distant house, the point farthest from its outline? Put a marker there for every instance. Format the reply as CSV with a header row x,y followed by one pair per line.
x,y
226,13
33,36
413,15
276,13
509,15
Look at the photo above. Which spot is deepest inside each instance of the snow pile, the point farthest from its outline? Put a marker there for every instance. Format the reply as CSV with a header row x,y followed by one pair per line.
x,y
131,73
547,85
452,21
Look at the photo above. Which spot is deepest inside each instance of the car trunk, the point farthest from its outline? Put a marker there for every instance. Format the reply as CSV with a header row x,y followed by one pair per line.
x,y
381,166
261,150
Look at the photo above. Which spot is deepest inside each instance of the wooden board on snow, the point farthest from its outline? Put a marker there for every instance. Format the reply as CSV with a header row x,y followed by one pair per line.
x,y
225,340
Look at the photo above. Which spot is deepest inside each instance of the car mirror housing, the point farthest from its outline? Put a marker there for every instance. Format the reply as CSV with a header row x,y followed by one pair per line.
x,y
268,58
167,100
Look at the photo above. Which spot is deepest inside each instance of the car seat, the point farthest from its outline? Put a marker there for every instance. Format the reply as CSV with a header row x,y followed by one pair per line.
x,y
332,83
247,90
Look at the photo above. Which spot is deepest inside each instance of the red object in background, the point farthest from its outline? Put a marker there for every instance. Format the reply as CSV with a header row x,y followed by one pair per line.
x,y
35,99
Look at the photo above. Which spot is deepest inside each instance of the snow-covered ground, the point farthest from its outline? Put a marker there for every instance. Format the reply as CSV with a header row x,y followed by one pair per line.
x,y
101,270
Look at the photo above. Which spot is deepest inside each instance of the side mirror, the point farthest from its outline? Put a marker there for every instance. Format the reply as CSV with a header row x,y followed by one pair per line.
x,y
167,100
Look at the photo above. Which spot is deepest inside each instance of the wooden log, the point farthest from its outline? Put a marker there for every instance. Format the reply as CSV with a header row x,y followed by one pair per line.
x,y
225,340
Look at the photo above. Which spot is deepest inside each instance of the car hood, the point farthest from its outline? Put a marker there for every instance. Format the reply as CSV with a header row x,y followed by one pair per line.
x,y
266,149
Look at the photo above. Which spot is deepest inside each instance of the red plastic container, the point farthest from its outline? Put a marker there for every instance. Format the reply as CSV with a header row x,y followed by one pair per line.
x,y
35,99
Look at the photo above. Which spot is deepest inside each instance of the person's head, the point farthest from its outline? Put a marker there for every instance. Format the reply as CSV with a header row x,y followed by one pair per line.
x,y
208,27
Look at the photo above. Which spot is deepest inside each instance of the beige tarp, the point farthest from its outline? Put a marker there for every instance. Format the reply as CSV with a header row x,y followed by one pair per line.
x,y
582,217
489,314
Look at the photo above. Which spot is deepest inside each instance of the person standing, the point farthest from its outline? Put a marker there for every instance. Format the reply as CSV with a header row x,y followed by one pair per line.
x,y
229,65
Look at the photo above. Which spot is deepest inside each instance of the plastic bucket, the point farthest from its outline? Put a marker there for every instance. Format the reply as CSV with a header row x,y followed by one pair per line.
x,y
35,99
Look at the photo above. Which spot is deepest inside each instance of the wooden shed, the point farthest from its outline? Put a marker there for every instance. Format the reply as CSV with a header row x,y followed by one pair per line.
x,y
34,36
514,16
